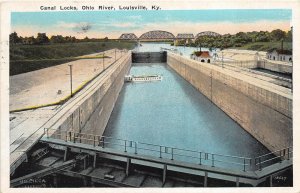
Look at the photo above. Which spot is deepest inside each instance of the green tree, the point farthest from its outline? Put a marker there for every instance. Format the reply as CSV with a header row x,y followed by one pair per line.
x,y
289,36
57,39
278,35
14,38
42,38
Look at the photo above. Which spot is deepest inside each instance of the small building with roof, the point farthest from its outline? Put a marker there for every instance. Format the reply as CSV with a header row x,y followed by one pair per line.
x,y
202,56
280,55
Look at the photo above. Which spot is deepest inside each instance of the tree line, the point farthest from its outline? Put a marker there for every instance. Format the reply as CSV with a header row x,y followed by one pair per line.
x,y
240,39
42,38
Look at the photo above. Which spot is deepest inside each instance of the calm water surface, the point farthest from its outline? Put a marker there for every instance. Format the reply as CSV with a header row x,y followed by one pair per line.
x,y
173,113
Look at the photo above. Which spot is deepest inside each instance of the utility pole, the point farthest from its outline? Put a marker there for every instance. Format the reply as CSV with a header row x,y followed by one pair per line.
x,y
103,60
70,65
222,61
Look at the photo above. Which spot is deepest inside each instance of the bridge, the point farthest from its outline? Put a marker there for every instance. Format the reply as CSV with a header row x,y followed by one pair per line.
x,y
128,36
164,35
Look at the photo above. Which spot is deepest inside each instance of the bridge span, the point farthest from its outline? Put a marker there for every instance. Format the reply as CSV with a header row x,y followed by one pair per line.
x,y
159,35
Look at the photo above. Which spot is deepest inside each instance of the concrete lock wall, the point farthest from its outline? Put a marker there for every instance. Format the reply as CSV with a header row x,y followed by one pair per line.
x,y
276,67
261,111
149,57
91,114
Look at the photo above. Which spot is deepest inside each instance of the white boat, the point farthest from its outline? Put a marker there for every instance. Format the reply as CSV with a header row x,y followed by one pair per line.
x,y
144,78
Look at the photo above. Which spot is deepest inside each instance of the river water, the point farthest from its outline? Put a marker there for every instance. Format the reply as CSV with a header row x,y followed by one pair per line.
x,y
156,47
173,113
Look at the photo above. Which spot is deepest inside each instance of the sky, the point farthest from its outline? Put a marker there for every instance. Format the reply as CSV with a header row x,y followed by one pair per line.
x,y
112,24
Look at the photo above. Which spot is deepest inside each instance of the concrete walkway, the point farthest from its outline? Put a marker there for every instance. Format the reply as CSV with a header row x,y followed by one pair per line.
x,y
51,85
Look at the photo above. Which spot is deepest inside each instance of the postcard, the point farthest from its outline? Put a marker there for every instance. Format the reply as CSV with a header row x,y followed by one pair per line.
x,y
149,95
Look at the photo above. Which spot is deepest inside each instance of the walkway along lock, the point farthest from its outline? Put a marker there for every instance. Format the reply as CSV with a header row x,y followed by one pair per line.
x,y
190,156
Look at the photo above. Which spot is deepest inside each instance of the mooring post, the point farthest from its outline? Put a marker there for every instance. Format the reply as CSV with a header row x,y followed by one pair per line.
x,y
280,156
259,163
95,160
271,181
66,154
125,146
213,160
205,179
85,181
159,151
172,153
103,142
47,129
288,153
200,158
74,137
244,164
128,166
55,181
237,181
135,147
84,162
164,173
66,136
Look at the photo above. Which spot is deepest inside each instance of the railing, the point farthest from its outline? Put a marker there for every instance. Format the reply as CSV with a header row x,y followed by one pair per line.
x,y
273,157
173,153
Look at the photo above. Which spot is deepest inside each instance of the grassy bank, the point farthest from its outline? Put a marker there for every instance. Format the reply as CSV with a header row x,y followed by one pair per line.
x,y
26,58
264,46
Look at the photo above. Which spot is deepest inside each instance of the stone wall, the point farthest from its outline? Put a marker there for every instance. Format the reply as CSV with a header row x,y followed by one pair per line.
x,y
276,67
265,112
90,112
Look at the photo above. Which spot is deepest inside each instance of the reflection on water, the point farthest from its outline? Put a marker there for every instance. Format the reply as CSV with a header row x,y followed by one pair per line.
x,y
173,113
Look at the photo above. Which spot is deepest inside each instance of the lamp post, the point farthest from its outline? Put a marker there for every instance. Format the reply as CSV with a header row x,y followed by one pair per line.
x,y
70,65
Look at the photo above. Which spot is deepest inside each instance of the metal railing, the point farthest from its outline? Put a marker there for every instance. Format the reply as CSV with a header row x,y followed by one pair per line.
x,y
273,157
173,153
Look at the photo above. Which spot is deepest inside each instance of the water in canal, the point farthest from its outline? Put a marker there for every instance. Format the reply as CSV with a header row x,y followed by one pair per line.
x,y
173,113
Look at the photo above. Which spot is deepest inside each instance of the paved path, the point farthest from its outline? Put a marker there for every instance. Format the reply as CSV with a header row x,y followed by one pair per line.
x,y
241,55
50,85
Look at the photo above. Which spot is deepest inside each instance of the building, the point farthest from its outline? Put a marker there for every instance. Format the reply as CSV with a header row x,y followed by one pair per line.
x,y
202,56
280,55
